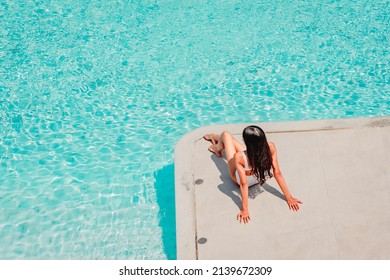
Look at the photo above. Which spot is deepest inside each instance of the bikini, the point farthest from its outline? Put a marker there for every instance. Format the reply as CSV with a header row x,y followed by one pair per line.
x,y
251,179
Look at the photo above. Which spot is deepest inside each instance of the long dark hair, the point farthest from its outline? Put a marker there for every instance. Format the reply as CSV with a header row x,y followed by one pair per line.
x,y
259,154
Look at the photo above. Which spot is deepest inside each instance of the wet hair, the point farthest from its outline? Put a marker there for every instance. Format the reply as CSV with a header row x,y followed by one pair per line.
x,y
259,154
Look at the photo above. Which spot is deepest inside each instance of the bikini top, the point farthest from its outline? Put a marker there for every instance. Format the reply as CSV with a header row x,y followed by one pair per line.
x,y
247,168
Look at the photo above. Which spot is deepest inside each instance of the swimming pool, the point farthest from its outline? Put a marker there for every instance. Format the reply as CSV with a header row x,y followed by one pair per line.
x,y
95,94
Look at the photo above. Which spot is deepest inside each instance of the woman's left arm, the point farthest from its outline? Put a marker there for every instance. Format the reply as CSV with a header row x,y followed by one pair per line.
x,y
293,203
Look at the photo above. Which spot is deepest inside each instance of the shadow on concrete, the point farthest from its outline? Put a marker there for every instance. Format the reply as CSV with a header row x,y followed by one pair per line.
x,y
229,188
165,191
273,191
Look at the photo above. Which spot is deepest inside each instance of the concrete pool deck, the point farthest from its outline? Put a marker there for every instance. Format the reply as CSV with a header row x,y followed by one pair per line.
x,y
340,169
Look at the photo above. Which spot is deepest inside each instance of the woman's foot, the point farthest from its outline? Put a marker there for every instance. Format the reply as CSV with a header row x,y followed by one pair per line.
x,y
213,149
209,137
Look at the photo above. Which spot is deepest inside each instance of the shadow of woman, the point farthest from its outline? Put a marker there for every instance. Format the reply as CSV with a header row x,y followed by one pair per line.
x,y
229,188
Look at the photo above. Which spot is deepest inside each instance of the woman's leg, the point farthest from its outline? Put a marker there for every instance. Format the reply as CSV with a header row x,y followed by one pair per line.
x,y
226,142
231,146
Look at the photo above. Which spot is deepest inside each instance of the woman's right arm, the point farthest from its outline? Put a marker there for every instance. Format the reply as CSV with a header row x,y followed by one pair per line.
x,y
243,215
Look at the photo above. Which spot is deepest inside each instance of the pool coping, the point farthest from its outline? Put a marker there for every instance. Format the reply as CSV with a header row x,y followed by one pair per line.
x,y
186,223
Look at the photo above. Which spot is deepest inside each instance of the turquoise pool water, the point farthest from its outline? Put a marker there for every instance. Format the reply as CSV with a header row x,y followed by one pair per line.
x,y
94,95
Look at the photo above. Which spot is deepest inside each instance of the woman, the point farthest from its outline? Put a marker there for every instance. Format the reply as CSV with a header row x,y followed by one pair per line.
x,y
250,167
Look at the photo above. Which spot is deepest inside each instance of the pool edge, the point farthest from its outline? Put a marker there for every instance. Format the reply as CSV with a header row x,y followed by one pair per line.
x,y
186,232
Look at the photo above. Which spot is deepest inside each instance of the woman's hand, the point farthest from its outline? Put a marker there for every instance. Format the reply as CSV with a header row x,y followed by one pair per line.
x,y
293,203
243,216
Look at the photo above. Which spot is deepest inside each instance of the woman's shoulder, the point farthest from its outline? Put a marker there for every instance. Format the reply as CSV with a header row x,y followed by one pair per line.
x,y
238,157
271,146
